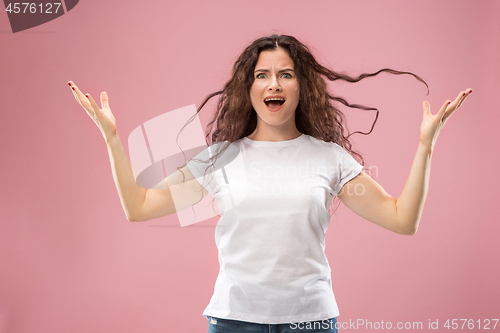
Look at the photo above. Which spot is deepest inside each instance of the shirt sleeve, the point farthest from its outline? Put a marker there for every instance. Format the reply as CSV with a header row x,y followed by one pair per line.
x,y
347,168
208,167
202,170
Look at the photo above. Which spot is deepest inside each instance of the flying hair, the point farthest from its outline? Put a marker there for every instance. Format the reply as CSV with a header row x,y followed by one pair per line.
x,y
317,113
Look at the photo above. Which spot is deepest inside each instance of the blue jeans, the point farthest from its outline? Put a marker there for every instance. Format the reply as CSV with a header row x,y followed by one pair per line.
x,y
218,325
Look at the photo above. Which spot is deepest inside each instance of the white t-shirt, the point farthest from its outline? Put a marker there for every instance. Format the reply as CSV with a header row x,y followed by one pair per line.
x,y
274,199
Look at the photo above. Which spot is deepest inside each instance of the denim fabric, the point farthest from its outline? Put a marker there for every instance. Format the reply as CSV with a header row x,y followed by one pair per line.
x,y
218,325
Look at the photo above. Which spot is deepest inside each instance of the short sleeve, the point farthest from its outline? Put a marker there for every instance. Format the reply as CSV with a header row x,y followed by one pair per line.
x,y
347,168
201,169
208,166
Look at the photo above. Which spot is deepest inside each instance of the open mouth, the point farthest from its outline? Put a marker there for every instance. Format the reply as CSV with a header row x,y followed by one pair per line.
x,y
274,103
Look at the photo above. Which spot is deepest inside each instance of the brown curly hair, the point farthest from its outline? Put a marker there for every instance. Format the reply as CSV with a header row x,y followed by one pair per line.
x,y
315,115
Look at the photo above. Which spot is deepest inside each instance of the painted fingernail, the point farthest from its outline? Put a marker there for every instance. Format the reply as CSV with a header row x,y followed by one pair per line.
x,y
69,84
72,87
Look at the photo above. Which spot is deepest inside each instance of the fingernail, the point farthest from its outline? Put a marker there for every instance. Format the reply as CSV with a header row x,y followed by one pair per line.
x,y
69,84
72,87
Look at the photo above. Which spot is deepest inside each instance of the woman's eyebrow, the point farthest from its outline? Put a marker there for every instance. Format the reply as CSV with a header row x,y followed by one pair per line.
x,y
267,70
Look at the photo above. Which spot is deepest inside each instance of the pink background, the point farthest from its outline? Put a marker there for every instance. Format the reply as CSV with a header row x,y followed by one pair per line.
x,y
71,262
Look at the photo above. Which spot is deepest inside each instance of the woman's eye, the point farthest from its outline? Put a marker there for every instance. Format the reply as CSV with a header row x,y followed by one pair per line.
x,y
263,76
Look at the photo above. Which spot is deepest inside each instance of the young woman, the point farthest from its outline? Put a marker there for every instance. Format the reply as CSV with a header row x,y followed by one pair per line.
x,y
295,156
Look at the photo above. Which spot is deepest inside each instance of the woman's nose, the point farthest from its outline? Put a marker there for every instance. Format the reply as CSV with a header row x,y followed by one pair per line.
x,y
274,84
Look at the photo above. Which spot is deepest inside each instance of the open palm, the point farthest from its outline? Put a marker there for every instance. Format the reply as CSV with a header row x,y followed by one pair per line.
x,y
433,124
103,118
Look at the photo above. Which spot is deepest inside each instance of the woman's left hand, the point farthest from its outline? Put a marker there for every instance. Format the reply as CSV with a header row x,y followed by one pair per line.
x,y
432,124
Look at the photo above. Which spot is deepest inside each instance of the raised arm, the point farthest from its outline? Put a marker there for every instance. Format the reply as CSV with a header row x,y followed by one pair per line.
x,y
368,199
139,204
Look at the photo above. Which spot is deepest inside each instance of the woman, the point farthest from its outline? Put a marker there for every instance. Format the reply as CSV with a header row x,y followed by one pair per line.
x,y
296,158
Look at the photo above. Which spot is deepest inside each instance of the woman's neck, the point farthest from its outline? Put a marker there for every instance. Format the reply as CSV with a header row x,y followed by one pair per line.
x,y
274,136
274,133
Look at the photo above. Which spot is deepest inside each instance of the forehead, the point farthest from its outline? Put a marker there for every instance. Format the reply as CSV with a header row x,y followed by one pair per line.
x,y
274,58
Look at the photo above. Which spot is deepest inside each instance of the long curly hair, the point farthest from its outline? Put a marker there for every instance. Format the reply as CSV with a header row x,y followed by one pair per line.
x,y
316,114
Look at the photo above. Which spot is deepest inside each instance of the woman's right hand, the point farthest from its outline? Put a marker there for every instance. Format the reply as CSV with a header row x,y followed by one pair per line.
x,y
103,118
